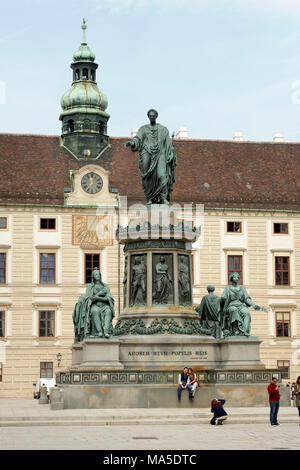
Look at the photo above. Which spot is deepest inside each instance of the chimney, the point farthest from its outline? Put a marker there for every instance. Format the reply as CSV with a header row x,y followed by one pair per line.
x,y
182,133
134,132
278,138
238,136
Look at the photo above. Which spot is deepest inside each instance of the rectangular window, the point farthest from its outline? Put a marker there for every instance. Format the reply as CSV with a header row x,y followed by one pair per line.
x,y
235,264
47,268
281,228
3,222
47,224
92,261
2,268
1,371
284,367
282,271
47,324
46,370
283,324
234,227
2,324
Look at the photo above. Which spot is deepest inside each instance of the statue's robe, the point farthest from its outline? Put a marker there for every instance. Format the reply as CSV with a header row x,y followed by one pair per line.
x,y
162,283
234,309
184,280
157,161
209,311
82,311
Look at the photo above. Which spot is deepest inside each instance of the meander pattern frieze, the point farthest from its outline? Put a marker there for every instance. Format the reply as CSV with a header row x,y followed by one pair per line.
x,y
164,377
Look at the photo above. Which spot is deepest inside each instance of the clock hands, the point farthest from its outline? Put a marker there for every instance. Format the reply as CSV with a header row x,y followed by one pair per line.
x,y
91,181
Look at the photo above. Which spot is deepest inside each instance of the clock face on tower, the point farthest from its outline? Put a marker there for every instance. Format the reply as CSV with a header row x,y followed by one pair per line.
x,y
91,183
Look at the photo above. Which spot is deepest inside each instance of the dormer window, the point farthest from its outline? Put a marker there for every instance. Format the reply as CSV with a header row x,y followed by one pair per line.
x,y
70,126
85,74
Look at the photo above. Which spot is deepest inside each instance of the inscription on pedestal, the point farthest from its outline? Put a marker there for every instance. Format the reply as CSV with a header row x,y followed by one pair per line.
x,y
170,355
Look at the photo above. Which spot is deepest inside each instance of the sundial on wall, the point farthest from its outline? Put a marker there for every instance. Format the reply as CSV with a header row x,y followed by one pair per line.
x,y
91,183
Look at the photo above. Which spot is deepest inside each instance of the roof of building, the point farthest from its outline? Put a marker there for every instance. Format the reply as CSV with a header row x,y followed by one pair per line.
x,y
35,169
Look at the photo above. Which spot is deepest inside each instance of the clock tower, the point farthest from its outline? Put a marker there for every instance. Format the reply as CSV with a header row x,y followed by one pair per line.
x,y
84,118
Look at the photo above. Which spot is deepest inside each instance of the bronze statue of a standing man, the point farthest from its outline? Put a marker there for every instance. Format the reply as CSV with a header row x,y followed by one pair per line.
x,y
157,160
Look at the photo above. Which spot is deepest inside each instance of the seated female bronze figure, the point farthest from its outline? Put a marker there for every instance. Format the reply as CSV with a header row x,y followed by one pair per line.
x,y
94,311
236,318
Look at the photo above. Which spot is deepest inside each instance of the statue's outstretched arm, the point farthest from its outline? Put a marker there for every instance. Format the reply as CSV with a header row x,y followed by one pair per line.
x,y
250,303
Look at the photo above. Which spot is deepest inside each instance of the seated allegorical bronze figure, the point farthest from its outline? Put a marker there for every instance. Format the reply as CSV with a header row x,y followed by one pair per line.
x,y
209,312
94,311
236,318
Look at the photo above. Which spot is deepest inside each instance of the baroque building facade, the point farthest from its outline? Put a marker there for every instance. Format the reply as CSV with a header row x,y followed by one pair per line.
x,y
62,202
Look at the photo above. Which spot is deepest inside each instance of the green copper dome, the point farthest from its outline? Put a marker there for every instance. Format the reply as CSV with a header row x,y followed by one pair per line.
x,y
84,94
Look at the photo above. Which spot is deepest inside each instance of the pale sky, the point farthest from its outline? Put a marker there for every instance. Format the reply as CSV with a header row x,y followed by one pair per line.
x,y
215,66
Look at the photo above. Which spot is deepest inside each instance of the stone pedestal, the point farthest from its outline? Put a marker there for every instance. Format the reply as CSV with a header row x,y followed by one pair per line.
x,y
97,352
157,389
43,400
157,335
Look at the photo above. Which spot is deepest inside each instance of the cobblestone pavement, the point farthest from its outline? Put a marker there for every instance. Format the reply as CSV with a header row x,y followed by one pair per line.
x,y
193,437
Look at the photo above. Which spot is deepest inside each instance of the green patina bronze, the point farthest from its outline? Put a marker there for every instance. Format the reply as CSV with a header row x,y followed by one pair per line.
x,y
94,311
210,312
160,326
125,283
236,318
138,280
154,244
162,283
157,160
184,281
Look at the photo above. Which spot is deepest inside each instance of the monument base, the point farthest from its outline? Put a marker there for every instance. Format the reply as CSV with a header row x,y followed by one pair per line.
x,y
165,351
158,389
142,371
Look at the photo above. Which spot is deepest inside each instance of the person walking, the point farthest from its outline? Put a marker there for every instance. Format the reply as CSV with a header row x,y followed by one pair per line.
x,y
184,383
219,413
297,394
274,398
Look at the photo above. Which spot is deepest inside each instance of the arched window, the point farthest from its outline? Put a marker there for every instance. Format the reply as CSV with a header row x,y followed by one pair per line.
x,y
70,126
85,74
77,74
93,75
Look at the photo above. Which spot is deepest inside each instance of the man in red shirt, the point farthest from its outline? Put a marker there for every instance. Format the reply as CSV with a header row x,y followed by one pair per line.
x,y
274,397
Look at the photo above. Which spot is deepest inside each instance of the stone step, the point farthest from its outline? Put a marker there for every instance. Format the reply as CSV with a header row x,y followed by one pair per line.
x,y
143,416
125,421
